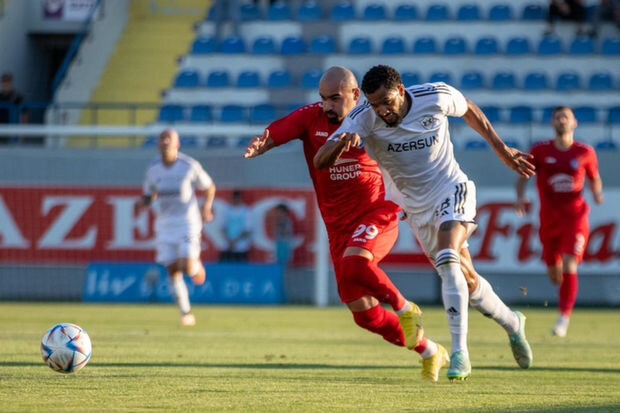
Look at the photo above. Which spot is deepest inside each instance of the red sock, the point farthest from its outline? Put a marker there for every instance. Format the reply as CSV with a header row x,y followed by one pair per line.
x,y
368,274
567,293
380,321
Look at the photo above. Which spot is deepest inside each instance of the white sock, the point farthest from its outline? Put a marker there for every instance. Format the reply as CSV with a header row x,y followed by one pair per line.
x,y
484,299
404,308
181,296
455,293
430,350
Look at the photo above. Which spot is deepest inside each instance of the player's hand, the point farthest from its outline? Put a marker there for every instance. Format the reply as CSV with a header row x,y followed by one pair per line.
x,y
598,197
256,145
140,204
350,139
207,215
518,161
521,206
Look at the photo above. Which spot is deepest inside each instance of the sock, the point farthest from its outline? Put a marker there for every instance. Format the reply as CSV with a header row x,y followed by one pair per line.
x,y
380,321
362,271
181,296
567,293
426,348
454,292
484,299
193,268
406,307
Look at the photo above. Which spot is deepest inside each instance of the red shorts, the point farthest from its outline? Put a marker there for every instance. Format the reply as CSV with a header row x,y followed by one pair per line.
x,y
376,232
564,238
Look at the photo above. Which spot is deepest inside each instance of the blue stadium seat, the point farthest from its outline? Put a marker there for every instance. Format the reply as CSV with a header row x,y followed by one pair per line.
x,y
513,143
343,11
309,11
292,45
486,45
468,12
393,45
410,78
171,113
201,113
248,79
493,113
150,142
310,79
232,114
279,11
322,44
518,46
360,45
440,77
232,45
204,45
613,115
601,81
437,12
294,106
218,78
607,145
189,141
217,142
546,114
550,45
244,141
581,45
263,113
187,79
500,12
249,12
585,114
374,12
611,46
504,81
568,81
533,12
424,45
472,80
455,45
535,81
263,45
279,79
405,12
476,144
520,114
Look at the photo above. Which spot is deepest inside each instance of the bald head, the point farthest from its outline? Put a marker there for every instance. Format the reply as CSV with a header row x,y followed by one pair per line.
x,y
339,93
338,76
169,145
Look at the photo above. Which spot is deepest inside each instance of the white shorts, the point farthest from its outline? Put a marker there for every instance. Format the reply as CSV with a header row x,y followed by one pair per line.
x,y
175,246
458,203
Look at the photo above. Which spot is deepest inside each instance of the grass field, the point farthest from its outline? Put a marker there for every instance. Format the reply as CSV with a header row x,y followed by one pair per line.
x,y
292,359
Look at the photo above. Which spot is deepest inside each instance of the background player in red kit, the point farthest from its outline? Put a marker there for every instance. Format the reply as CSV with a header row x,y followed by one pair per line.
x,y
561,167
361,225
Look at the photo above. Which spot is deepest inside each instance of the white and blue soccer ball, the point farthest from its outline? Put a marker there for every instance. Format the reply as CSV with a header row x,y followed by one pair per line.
x,y
66,348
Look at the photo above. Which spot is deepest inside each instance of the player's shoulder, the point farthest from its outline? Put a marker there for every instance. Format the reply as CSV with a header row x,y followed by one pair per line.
x,y
360,111
310,109
187,160
582,146
542,146
154,164
430,89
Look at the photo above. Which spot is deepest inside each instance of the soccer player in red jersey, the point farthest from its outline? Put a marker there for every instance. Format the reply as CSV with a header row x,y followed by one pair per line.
x,y
362,225
561,167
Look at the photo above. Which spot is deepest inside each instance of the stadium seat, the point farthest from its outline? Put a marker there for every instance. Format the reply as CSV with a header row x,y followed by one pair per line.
x,y
171,113
613,115
310,79
585,114
360,45
343,11
472,80
437,12
263,45
309,11
581,45
187,79
374,12
550,45
278,11
189,141
520,114
486,45
608,145
503,81
244,141
232,114
263,113
201,113
204,45
322,44
279,79
248,79
535,81
424,45
410,78
249,12
217,142
476,144
611,46
455,45
546,114
568,81
518,46
513,143
150,142
533,12
440,77
405,12
232,45
500,12
292,45
601,81
393,45
468,12
493,113
218,78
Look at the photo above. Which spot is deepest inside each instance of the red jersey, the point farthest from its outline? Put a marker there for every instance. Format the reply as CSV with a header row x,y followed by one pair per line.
x,y
560,176
344,191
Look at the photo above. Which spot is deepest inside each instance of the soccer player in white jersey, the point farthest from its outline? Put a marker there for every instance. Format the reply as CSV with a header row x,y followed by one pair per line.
x,y
406,131
171,180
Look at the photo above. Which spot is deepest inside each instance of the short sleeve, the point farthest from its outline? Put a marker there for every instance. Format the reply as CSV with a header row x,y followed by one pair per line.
x,y
201,177
451,100
292,126
591,164
359,120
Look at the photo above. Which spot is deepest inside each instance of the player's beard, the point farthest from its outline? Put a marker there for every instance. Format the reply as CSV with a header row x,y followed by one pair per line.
x,y
394,123
332,117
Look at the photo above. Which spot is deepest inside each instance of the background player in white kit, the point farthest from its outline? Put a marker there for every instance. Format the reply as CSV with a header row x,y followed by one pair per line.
x,y
406,131
172,179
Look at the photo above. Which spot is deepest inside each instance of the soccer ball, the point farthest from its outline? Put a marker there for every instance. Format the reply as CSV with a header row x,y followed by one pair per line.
x,y
66,348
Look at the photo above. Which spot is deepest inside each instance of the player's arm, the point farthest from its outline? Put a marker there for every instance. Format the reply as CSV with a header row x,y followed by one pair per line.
x,y
596,186
521,201
334,147
292,126
259,145
148,193
207,205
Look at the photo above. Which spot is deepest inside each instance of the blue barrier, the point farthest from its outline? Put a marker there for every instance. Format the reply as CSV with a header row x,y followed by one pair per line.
x,y
148,282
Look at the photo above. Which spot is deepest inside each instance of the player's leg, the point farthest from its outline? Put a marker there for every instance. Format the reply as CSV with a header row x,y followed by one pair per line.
x,y
189,258
166,254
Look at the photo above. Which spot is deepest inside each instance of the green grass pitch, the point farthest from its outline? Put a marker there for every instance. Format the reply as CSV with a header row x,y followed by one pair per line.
x,y
296,359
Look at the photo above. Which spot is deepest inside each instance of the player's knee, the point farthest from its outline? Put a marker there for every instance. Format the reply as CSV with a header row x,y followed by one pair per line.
x,y
369,319
352,266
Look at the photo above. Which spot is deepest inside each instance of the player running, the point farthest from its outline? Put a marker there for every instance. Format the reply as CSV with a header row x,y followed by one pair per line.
x,y
561,166
362,226
406,131
172,180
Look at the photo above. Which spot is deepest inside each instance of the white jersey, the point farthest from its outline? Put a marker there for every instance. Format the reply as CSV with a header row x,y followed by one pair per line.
x,y
416,157
175,205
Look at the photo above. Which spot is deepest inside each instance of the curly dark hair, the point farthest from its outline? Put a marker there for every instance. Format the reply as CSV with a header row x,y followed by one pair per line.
x,y
380,75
